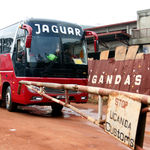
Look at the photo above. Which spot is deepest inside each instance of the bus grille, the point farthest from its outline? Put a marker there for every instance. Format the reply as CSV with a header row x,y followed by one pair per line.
x,y
59,91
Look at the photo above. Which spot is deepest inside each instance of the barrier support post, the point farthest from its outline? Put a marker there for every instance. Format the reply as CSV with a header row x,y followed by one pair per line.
x,y
100,104
66,97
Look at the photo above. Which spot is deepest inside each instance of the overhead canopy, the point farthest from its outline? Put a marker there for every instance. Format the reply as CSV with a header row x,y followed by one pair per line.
x,y
110,36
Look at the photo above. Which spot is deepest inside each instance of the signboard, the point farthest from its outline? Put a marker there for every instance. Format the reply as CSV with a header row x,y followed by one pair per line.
x,y
122,119
128,75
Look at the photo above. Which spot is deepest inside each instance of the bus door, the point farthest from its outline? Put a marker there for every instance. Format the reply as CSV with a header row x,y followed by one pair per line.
x,y
19,55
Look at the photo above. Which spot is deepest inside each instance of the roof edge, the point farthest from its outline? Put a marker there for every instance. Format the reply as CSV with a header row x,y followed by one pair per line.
x,y
116,24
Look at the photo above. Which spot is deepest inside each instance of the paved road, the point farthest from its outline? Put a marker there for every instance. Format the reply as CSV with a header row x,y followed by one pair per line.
x,y
37,128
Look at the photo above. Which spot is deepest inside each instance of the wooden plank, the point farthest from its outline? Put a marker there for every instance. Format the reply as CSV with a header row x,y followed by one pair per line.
x,y
104,55
90,58
131,53
120,53
140,56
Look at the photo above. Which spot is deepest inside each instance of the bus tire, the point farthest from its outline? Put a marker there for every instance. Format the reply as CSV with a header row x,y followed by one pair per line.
x,y
56,107
10,106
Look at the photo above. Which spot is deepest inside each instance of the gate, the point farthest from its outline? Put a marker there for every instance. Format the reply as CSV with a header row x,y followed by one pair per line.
x,y
126,112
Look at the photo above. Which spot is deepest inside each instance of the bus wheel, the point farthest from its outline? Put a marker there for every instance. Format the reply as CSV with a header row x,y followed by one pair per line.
x,y
56,107
10,106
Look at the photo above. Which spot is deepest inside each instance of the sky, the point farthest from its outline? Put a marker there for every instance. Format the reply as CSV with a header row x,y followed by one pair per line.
x,y
85,12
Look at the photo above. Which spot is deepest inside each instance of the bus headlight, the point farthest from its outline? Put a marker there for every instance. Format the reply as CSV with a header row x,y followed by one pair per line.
x,y
60,97
36,98
83,97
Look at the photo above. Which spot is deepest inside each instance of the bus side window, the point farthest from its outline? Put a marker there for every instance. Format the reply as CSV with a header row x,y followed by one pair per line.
x,y
20,49
7,42
1,46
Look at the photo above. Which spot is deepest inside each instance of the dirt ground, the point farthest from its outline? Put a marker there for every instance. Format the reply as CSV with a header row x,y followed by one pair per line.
x,y
37,128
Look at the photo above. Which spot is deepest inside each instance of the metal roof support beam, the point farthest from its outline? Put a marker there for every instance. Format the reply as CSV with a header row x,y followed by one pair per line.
x,y
126,42
103,44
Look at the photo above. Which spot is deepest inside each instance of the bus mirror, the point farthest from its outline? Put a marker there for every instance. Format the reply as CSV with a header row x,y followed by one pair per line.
x,y
29,36
96,43
28,41
96,46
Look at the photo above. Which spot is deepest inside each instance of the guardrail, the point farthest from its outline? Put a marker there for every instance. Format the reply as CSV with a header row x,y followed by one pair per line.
x,y
126,113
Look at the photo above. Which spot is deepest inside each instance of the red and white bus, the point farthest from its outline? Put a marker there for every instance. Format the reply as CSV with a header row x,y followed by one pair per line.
x,y
44,51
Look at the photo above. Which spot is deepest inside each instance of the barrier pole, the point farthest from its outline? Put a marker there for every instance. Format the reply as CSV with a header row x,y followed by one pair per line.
x,y
145,99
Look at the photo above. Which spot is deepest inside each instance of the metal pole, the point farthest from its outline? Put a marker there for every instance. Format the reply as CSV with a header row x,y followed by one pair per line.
x,y
145,99
100,104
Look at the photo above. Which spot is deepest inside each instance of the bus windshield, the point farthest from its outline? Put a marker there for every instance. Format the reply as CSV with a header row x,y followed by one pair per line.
x,y
57,50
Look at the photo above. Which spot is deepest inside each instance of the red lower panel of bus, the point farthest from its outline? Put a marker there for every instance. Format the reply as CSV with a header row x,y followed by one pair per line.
x,y
27,96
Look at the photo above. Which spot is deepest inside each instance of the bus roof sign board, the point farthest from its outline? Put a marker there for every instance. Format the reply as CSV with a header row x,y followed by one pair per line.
x,y
122,118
